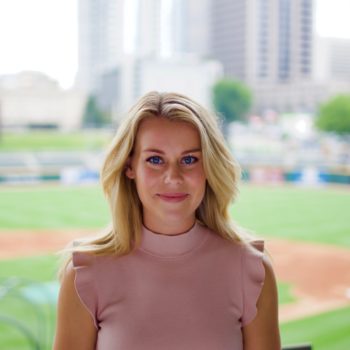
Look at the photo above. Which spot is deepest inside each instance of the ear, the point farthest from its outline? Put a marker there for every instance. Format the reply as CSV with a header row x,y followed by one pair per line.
x,y
129,172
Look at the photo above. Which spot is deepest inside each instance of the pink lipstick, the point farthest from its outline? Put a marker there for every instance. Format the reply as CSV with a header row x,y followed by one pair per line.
x,y
172,197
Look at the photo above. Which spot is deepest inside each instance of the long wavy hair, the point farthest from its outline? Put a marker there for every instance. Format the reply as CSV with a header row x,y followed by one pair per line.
x,y
221,170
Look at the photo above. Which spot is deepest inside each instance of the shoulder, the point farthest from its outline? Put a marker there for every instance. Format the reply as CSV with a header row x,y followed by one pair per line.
x,y
68,278
268,297
72,316
69,293
261,331
216,241
258,264
269,271
78,284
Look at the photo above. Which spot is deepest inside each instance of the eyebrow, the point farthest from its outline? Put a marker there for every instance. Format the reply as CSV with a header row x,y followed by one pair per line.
x,y
154,150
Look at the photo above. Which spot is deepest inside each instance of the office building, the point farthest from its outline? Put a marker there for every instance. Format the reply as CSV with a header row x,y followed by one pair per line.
x,y
332,59
263,40
110,31
123,41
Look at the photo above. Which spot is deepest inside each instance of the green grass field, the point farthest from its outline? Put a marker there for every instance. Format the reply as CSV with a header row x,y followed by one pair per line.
x,y
294,213
54,141
314,215
328,331
38,317
50,207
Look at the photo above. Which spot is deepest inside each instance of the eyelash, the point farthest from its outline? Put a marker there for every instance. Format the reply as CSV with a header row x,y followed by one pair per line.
x,y
194,160
151,160
160,161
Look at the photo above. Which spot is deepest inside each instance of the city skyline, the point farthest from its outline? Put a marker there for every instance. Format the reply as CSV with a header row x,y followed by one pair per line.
x,y
54,51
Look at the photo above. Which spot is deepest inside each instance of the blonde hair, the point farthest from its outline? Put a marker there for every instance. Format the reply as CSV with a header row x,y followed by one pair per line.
x,y
221,170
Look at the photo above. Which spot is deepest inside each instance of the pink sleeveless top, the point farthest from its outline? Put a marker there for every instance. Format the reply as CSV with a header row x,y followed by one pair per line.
x,y
186,292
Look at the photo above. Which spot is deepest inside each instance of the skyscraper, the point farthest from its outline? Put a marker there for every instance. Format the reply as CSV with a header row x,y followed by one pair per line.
x,y
332,60
190,26
263,40
101,38
112,30
121,41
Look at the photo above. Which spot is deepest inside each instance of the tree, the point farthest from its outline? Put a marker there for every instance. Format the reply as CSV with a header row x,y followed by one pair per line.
x,y
93,116
231,99
334,115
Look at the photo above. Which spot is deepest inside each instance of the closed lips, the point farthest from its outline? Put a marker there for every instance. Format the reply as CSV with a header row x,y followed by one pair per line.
x,y
172,195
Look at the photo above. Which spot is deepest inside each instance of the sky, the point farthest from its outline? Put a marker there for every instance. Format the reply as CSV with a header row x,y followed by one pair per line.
x,y
41,35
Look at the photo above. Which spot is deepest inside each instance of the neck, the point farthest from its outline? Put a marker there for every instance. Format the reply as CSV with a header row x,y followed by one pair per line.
x,y
170,234
172,245
174,228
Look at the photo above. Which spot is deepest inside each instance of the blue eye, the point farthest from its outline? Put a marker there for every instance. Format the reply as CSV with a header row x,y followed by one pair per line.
x,y
188,160
154,160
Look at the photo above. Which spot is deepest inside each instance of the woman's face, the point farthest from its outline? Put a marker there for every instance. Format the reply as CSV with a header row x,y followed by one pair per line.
x,y
167,168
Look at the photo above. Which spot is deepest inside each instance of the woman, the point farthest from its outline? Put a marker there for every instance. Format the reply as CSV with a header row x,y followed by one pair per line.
x,y
173,272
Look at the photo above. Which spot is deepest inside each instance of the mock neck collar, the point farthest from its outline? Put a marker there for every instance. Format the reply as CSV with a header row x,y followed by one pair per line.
x,y
172,245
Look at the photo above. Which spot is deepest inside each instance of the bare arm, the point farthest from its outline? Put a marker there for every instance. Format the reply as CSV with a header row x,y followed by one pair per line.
x,y
75,327
263,332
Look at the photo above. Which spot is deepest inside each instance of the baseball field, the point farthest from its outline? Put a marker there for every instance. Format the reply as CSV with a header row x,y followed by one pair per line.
x,y
307,234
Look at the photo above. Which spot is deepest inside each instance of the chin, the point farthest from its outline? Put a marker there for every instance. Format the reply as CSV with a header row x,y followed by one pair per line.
x,y
177,215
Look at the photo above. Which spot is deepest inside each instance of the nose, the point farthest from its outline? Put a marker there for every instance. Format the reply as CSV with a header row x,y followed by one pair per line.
x,y
173,175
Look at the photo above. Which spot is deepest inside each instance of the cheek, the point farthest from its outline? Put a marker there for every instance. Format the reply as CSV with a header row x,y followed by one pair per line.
x,y
146,178
197,179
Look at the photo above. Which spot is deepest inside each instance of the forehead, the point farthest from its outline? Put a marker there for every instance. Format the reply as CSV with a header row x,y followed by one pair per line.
x,y
158,131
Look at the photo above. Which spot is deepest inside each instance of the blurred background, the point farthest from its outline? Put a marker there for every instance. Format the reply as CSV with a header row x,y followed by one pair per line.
x,y
276,72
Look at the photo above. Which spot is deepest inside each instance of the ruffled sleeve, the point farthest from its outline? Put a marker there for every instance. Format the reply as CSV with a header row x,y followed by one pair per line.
x,y
83,264
253,276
